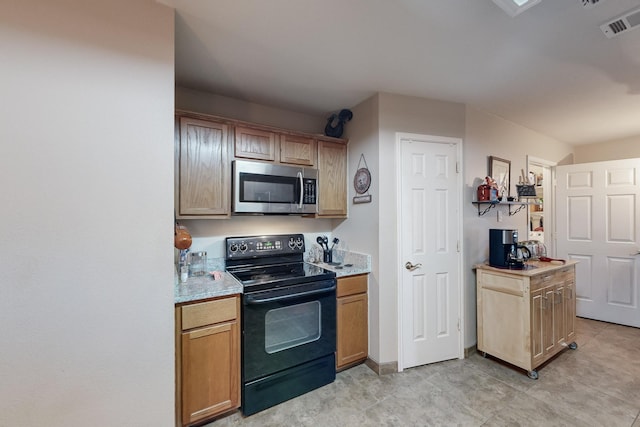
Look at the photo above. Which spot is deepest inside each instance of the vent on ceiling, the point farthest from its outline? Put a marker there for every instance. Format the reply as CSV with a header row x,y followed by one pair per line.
x,y
624,23
589,3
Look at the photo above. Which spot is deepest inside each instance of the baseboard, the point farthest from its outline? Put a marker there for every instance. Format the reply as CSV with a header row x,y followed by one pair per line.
x,y
470,350
382,368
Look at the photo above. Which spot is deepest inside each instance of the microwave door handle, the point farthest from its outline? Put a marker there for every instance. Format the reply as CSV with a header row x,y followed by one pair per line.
x,y
301,189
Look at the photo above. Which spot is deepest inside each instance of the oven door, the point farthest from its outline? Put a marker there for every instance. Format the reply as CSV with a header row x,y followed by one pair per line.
x,y
283,328
265,188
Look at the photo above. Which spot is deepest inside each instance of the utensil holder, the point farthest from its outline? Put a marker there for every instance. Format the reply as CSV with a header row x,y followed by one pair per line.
x,y
327,256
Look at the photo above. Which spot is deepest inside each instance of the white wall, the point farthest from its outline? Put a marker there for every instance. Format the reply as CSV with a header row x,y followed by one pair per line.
x,y
86,165
209,103
372,227
410,115
627,148
489,135
360,231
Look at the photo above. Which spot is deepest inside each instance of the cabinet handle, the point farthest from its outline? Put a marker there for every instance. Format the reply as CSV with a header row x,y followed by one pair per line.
x,y
545,300
558,297
301,190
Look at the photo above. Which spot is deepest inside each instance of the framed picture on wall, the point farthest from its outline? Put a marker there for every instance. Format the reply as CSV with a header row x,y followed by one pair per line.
x,y
500,171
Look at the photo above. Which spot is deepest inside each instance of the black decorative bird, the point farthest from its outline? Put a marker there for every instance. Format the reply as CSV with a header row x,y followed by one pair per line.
x,y
335,130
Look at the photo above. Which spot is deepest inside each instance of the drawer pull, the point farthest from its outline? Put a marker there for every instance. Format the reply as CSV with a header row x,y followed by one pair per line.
x,y
558,299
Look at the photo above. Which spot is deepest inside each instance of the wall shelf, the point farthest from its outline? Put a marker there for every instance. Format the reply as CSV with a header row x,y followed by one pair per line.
x,y
486,206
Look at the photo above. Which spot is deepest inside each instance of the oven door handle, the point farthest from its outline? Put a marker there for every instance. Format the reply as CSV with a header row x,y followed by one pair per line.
x,y
249,299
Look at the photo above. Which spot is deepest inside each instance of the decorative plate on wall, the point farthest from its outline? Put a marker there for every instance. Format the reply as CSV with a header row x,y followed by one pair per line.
x,y
362,182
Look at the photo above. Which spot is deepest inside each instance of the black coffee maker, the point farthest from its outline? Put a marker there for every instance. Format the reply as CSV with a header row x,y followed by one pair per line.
x,y
504,251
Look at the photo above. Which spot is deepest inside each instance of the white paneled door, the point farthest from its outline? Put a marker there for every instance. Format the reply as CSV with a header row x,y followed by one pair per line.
x,y
598,208
430,255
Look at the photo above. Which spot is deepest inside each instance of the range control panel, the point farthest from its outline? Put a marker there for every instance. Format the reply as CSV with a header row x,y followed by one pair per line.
x,y
264,246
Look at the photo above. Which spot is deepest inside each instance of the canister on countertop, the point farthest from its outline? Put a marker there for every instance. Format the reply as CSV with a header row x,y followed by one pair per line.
x,y
198,263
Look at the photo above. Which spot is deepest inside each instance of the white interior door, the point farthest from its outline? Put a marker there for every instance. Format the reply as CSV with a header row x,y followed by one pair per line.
x,y
430,233
597,224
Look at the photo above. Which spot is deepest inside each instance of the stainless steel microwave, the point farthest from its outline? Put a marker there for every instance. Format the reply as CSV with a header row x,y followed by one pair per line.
x,y
274,189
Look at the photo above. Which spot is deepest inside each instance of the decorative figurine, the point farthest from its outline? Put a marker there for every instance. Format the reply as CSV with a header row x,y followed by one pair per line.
x,y
334,129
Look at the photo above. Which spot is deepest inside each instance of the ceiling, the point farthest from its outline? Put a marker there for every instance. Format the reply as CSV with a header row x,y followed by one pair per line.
x,y
550,68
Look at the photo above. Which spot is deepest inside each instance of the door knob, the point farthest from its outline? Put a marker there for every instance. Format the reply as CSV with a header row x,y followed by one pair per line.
x,y
412,267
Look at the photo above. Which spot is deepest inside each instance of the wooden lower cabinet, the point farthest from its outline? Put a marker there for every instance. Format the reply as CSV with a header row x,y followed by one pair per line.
x,y
526,317
208,359
352,321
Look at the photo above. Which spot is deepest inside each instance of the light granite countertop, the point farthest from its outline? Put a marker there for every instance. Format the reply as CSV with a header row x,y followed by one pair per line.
x,y
350,263
203,287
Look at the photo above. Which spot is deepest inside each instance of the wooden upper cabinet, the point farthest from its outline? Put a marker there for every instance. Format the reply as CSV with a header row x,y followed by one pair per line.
x,y
255,144
297,150
203,175
332,177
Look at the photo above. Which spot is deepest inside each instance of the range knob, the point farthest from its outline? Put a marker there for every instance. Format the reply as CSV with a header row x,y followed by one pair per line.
x,y
299,243
233,248
292,243
243,247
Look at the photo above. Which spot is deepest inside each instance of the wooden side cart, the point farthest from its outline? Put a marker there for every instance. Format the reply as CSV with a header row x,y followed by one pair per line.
x,y
525,317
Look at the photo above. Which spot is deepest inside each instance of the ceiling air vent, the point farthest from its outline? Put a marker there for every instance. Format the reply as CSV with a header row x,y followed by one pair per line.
x,y
624,23
589,3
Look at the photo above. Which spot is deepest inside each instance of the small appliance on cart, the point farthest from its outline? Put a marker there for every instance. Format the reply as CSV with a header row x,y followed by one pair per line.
x,y
288,319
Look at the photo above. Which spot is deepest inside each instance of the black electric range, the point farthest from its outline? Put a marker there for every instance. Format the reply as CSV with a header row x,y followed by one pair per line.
x,y
288,319
271,261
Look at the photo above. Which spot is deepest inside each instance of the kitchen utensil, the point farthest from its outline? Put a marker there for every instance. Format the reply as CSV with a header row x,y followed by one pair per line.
x,y
335,242
537,248
325,240
182,237
320,241
553,260
523,252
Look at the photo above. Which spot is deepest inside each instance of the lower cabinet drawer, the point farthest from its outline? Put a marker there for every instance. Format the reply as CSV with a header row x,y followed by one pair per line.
x,y
207,313
351,285
502,283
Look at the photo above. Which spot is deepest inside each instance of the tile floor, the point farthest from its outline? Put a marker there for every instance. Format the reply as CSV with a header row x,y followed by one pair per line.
x,y
596,385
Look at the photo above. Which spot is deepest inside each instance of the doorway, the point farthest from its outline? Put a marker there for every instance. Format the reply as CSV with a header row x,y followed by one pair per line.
x,y
540,216
599,226
430,229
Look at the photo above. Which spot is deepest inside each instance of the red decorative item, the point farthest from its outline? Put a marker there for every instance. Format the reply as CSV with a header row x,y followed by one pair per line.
x,y
484,192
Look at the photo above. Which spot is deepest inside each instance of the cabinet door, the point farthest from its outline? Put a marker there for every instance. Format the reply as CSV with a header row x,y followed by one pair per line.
x,y
559,316
297,150
537,327
570,310
548,314
255,144
352,339
332,171
210,371
203,175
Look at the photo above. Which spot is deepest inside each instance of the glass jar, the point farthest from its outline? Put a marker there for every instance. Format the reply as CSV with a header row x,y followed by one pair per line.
x,y
198,265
